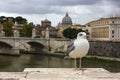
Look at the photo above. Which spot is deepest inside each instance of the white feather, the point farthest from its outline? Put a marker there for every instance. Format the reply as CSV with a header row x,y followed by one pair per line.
x,y
81,45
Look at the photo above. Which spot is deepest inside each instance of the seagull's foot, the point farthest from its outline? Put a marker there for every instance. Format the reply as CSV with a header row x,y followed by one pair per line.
x,y
82,69
76,69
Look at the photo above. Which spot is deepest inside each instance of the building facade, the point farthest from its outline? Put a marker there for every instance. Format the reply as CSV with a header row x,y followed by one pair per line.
x,y
41,29
18,26
104,29
45,23
67,23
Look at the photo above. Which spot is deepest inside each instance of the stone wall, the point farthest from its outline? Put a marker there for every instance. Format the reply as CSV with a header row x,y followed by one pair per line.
x,y
58,45
105,48
10,51
99,48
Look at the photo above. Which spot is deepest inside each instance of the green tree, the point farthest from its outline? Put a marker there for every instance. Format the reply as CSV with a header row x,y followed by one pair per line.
x,y
71,33
3,19
27,30
7,28
20,20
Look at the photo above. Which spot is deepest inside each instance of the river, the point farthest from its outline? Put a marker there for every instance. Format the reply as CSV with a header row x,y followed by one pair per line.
x,y
19,63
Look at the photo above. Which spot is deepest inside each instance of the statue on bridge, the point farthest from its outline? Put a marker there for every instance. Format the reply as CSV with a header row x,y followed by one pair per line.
x,y
16,33
47,33
33,33
2,34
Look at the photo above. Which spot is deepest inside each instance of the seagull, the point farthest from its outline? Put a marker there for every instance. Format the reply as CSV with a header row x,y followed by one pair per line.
x,y
78,48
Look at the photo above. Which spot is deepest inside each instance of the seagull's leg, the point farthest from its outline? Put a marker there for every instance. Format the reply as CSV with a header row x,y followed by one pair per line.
x,y
75,64
80,64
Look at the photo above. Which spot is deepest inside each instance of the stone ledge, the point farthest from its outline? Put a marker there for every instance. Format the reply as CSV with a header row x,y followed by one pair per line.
x,y
69,73
60,74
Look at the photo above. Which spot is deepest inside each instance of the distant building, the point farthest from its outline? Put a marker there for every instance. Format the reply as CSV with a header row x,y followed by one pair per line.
x,y
61,29
41,29
77,26
18,26
104,29
10,19
46,23
67,23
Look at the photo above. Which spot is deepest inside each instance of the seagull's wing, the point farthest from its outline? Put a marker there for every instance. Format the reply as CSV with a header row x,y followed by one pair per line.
x,y
70,47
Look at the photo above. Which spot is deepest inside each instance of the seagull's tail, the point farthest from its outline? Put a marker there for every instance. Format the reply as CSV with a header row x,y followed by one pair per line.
x,y
66,57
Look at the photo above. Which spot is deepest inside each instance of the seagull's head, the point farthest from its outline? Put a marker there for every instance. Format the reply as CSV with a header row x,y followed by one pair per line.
x,y
81,35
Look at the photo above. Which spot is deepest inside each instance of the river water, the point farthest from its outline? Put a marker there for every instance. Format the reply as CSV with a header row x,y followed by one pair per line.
x,y
18,63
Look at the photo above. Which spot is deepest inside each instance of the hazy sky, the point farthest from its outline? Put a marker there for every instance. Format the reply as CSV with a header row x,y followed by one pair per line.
x,y
81,11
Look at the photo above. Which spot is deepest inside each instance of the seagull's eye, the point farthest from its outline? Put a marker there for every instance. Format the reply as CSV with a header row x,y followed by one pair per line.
x,y
80,34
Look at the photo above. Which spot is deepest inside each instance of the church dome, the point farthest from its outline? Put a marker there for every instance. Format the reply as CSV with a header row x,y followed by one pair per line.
x,y
46,20
66,20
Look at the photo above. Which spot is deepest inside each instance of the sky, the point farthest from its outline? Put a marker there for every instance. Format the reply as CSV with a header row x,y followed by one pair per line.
x,y
81,11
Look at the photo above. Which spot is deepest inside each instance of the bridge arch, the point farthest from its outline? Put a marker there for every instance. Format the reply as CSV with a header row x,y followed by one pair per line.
x,y
36,44
32,46
5,45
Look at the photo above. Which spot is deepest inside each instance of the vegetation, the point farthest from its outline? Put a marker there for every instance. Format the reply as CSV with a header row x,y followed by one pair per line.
x,y
27,30
8,28
20,20
71,33
8,23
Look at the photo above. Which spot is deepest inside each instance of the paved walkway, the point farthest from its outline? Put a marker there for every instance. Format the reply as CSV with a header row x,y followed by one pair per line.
x,y
60,74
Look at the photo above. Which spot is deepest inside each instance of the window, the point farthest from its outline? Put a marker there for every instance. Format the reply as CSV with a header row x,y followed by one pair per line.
x,y
112,21
112,31
112,36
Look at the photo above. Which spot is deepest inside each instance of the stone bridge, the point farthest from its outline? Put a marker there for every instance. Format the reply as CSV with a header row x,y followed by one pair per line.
x,y
15,44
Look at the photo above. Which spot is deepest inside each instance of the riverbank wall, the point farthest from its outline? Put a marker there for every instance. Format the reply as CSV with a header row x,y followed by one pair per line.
x,y
14,52
97,48
105,48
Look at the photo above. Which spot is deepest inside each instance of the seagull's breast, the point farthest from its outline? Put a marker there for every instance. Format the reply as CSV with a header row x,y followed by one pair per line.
x,y
81,48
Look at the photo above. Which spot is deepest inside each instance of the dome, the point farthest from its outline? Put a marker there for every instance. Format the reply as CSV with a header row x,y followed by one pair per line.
x,y
46,20
66,20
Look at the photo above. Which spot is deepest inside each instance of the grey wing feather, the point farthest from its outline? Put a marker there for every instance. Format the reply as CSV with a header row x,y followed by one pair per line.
x,y
70,47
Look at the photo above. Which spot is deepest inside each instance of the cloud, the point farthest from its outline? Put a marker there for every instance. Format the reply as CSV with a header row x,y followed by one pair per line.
x,y
80,11
72,2
111,6
40,6
115,2
53,6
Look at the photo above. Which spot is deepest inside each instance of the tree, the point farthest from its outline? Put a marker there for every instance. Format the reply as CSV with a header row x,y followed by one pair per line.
x,y
71,33
27,30
20,20
6,19
3,19
7,28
